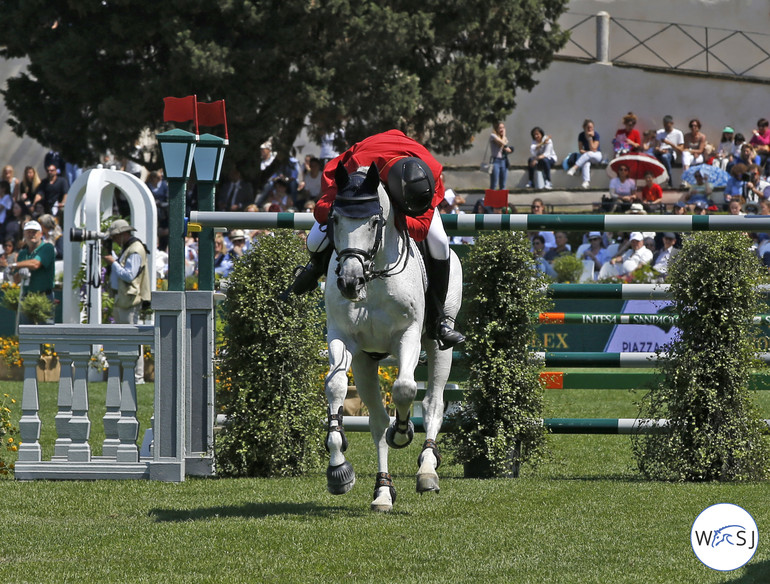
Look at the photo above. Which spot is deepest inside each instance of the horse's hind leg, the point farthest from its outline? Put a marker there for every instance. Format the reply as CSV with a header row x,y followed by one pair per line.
x,y
368,384
439,364
340,477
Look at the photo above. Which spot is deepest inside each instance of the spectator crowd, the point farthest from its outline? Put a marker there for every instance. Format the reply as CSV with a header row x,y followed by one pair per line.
x,y
284,183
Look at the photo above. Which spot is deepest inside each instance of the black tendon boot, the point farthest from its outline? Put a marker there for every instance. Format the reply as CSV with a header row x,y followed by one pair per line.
x,y
438,325
306,278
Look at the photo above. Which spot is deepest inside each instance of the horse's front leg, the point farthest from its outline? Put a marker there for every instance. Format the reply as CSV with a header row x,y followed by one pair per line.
x,y
401,432
340,477
368,385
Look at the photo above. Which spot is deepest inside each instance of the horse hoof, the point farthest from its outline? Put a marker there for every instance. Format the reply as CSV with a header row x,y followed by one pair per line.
x,y
382,505
427,483
340,479
384,493
390,434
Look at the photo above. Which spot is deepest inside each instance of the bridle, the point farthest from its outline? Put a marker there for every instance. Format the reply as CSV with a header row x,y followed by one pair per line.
x,y
367,257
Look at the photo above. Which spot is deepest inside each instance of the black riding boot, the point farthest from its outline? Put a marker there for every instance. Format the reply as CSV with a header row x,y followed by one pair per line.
x,y
306,278
437,324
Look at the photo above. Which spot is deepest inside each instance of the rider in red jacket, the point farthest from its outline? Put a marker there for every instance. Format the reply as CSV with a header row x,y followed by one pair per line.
x,y
412,186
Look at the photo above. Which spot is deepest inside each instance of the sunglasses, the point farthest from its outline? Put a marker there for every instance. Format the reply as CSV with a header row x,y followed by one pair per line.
x,y
594,239
623,168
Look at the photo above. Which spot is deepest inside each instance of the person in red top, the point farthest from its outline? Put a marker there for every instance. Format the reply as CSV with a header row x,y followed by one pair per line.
x,y
627,139
652,193
760,139
411,174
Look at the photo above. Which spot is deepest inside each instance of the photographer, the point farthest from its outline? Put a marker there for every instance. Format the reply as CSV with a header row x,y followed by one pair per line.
x,y
129,279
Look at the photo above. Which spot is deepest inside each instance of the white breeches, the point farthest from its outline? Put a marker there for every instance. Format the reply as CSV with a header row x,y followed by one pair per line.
x,y
316,239
438,242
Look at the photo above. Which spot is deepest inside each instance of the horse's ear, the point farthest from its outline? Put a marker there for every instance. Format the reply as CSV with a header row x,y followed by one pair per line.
x,y
341,176
372,180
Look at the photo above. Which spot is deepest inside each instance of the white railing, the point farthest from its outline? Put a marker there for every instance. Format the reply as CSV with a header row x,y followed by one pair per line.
x,y
667,45
72,458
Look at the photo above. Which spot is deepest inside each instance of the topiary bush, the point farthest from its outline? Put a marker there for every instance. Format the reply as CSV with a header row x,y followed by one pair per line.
x,y
568,268
714,431
272,369
499,424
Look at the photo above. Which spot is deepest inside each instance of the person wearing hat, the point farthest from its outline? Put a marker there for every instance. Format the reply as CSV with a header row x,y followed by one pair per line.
x,y
700,208
413,179
129,279
34,265
724,152
636,256
594,250
238,244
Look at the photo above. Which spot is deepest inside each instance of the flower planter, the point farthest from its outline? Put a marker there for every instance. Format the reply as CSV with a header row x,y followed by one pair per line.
x,y
149,371
12,372
48,368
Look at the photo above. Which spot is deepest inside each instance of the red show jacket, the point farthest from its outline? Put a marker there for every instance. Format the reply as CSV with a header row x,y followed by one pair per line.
x,y
382,150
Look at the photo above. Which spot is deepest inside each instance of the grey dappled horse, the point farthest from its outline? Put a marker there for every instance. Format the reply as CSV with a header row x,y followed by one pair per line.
x,y
375,306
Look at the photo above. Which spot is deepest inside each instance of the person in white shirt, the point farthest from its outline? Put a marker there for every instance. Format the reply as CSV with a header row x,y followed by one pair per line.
x,y
663,257
620,265
542,157
669,140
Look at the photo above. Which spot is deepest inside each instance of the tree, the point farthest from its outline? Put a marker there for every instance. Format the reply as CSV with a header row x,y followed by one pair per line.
x,y
439,71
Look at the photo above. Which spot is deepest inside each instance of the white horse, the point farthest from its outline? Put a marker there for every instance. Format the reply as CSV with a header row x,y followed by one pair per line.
x,y
377,308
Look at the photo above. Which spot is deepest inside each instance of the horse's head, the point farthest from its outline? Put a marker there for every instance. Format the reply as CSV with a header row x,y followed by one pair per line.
x,y
361,210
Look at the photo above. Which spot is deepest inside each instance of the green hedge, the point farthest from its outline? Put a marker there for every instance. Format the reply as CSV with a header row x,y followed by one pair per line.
x,y
270,379
715,432
499,425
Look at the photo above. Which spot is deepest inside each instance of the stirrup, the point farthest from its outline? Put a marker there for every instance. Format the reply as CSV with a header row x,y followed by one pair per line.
x,y
446,336
338,428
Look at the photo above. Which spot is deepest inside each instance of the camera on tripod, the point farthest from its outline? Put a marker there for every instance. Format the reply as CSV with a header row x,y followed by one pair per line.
x,y
77,234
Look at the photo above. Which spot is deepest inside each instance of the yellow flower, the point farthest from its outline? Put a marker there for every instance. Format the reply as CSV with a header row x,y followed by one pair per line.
x,y
10,440
14,448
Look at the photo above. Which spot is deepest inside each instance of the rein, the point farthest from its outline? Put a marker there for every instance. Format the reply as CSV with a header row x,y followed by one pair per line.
x,y
366,257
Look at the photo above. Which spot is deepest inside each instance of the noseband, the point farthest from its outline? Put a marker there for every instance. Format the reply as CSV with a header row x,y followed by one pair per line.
x,y
366,257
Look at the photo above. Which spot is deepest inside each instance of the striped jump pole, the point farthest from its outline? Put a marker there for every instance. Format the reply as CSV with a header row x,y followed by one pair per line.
x,y
553,425
600,359
470,224
619,291
660,319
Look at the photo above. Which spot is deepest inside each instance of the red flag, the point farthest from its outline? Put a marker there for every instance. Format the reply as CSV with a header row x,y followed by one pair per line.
x,y
212,114
181,109
496,199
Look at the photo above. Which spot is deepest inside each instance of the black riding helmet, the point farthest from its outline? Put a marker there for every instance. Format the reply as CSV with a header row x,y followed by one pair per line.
x,y
411,185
